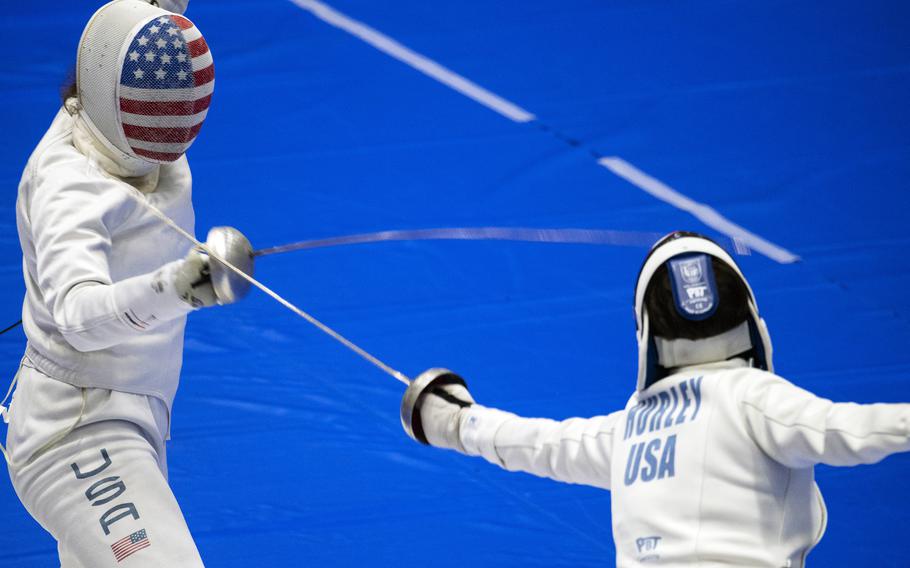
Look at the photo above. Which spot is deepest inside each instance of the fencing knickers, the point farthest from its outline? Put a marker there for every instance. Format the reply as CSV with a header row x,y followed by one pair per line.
x,y
101,490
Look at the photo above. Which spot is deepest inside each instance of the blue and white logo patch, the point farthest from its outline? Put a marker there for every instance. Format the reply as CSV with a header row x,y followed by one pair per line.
x,y
694,287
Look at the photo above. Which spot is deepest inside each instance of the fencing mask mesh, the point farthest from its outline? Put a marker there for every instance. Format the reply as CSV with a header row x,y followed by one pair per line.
x,y
145,79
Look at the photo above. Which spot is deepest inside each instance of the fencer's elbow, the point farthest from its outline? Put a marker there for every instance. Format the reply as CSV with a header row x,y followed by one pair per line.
x,y
86,338
81,342
73,316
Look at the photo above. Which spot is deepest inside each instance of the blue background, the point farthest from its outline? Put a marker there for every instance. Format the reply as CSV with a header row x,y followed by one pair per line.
x,y
789,117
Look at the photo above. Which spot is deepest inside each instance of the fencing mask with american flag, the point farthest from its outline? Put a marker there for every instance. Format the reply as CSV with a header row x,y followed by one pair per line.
x,y
145,79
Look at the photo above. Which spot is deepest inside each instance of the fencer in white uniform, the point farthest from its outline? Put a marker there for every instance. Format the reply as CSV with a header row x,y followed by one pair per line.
x,y
711,461
108,288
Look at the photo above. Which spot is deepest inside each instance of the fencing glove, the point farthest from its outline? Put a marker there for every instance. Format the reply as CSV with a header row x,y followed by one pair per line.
x,y
201,281
432,406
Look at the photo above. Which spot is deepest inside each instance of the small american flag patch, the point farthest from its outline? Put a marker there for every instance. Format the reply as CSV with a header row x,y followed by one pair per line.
x,y
130,544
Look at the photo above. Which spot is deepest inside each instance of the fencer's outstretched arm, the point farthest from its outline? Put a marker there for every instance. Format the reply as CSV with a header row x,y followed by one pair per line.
x,y
798,429
577,450
438,409
71,226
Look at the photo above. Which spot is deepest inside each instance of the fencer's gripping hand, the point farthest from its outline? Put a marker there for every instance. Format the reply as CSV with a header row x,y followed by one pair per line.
x,y
432,407
440,412
202,281
193,280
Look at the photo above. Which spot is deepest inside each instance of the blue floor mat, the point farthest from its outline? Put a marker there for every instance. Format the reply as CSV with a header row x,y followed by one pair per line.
x,y
790,118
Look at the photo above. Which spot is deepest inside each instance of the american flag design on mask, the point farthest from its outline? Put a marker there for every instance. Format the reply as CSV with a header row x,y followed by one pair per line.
x,y
165,88
131,544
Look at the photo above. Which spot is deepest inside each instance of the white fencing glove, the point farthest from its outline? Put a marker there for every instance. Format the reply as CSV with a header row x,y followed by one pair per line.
x,y
193,280
432,406
202,282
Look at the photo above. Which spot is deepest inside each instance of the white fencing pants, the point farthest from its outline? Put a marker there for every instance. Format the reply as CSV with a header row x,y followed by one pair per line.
x,y
102,490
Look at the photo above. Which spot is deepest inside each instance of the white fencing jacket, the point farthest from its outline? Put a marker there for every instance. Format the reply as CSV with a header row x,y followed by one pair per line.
x,y
99,308
712,466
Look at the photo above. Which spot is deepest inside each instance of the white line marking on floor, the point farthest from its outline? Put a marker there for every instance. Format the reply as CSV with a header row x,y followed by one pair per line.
x,y
423,64
618,166
706,214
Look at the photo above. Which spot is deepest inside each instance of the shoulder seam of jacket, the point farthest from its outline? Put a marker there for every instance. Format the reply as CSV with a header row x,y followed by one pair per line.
x,y
825,431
